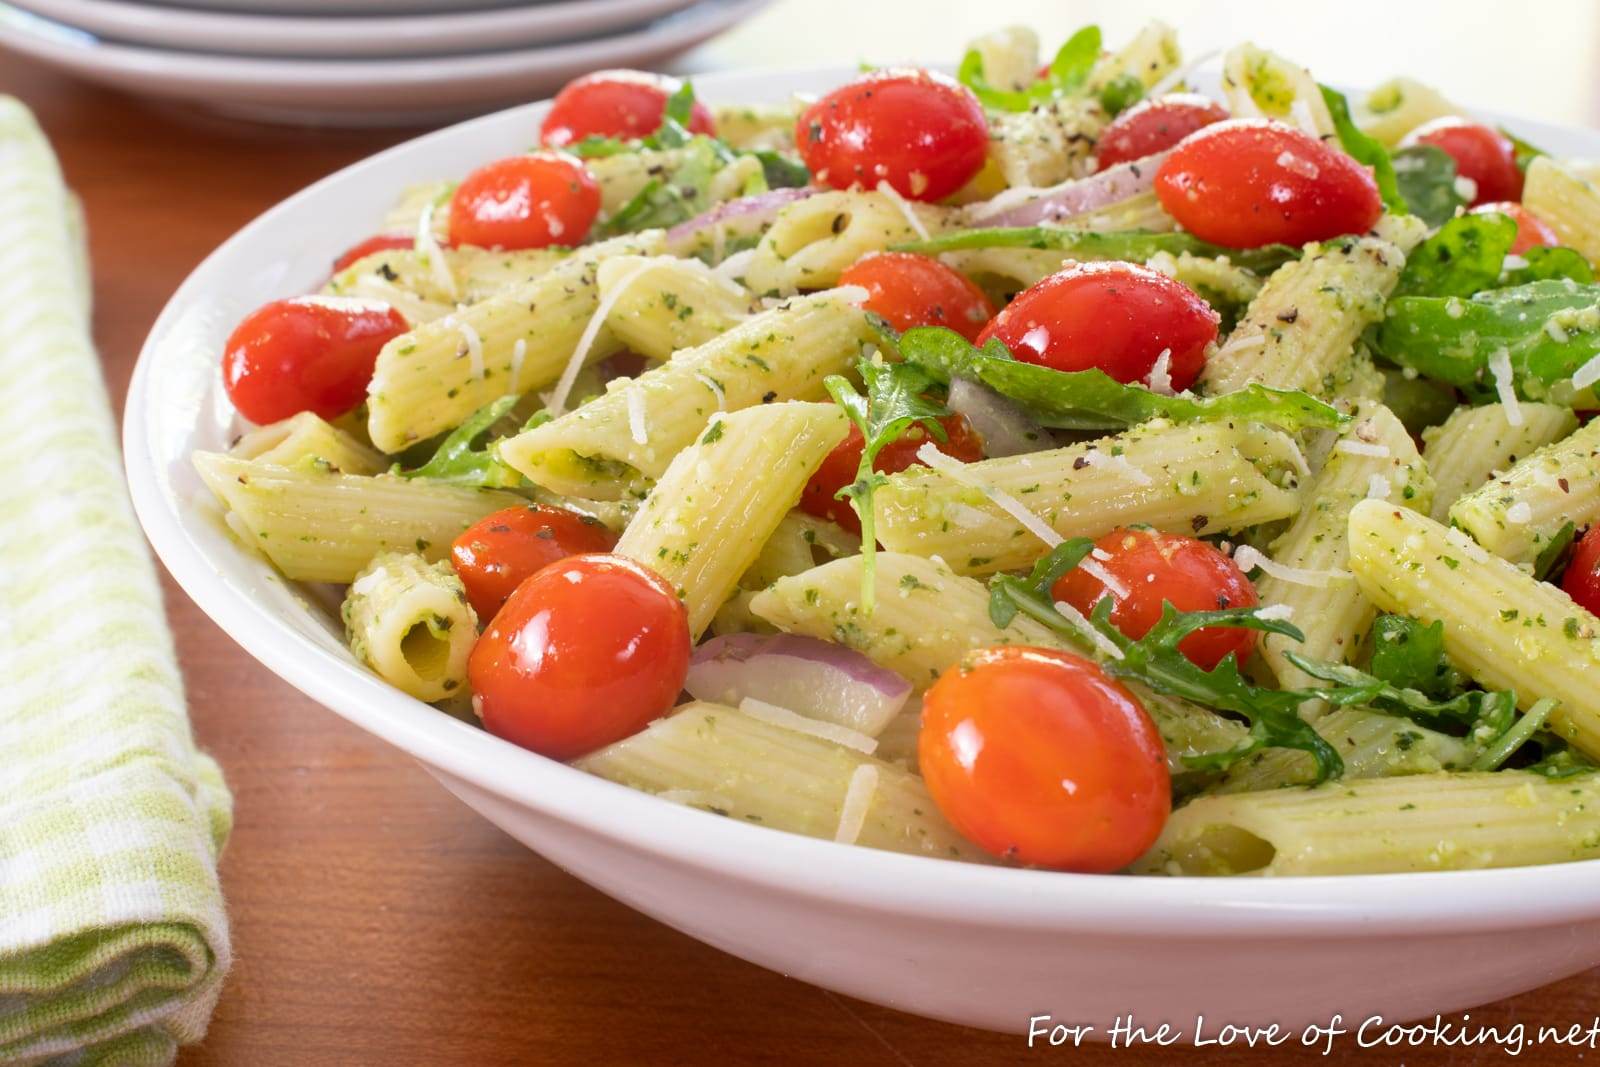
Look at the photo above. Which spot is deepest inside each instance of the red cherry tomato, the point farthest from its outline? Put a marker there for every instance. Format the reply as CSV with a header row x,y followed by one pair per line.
x,y
525,202
310,353
495,554
626,104
921,132
1119,317
1532,231
1482,154
586,652
1152,567
1037,756
1250,182
839,467
911,290
1582,580
383,242
1155,126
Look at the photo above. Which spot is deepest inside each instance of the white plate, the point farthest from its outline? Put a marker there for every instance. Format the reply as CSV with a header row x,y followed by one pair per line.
x,y
360,91
986,946
119,21
342,7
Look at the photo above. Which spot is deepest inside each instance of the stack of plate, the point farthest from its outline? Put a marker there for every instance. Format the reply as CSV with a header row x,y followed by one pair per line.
x,y
355,62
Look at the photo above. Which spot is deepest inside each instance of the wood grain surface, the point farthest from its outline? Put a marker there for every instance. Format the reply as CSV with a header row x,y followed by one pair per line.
x,y
376,920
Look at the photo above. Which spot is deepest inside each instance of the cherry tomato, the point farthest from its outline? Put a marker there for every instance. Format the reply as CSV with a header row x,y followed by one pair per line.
x,y
1151,567
495,554
921,132
1250,182
309,353
1484,155
839,467
525,202
1038,756
1582,580
626,104
586,652
1155,126
1119,317
911,290
1532,231
383,242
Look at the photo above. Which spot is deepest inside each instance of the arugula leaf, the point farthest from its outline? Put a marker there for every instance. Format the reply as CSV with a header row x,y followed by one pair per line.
x,y
1451,339
1155,660
893,404
663,203
1409,655
1131,245
1464,257
1426,176
458,463
1516,735
1554,553
1546,263
1067,73
780,171
1092,399
1486,715
1364,148
1121,93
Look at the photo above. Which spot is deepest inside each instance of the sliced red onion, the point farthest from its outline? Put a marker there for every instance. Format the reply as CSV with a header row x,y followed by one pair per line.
x,y
743,217
1005,430
1030,207
814,678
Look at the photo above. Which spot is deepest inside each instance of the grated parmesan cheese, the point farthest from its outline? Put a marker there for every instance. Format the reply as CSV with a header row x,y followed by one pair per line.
x,y
1276,613
432,256
774,715
1587,374
1096,458
365,584
1362,448
1500,368
1519,513
1096,570
474,347
857,799
519,352
1378,487
906,209
1249,559
1160,378
1087,628
715,387
580,354
954,468
636,426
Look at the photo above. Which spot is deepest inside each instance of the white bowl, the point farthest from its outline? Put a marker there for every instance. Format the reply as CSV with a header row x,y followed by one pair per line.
x,y
978,945
252,34
360,92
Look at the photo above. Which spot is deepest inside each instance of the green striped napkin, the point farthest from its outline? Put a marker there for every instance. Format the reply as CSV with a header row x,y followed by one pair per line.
x,y
113,940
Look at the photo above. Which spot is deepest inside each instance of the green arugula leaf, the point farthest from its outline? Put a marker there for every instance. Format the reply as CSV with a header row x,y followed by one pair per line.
x,y
1092,399
1554,554
1466,256
1519,733
1484,714
1426,176
663,203
1134,246
1451,340
893,404
1409,655
1546,263
1068,72
1366,149
1155,660
457,462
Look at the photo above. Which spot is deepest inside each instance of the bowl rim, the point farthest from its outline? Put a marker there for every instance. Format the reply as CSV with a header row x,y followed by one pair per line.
x,y
892,883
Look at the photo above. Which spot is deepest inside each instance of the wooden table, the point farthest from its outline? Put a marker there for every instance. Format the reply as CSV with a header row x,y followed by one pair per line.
x,y
376,919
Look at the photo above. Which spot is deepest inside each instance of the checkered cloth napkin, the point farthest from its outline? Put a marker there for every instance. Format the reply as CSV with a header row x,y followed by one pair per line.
x,y
113,940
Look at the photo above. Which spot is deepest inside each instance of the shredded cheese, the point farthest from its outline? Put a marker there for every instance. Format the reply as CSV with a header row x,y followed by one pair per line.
x,y
1587,374
365,584
636,426
774,715
1160,377
1378,487
1519,513
474,347
857,799
1276,613
854,295
1087,628
1249,559
906,209
954,468
715,387
1096,458
1094,569
580,354
1362,448
1500,368
519,352
432,256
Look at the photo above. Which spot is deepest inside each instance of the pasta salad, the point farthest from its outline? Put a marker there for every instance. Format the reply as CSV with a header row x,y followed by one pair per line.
x,y
1047,465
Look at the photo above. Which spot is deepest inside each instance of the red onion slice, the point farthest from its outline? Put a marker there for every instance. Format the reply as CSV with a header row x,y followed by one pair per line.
x,y
814,678
1031,207
743,217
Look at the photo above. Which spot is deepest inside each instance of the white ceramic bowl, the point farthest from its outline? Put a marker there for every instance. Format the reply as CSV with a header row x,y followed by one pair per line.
x,y
979,945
